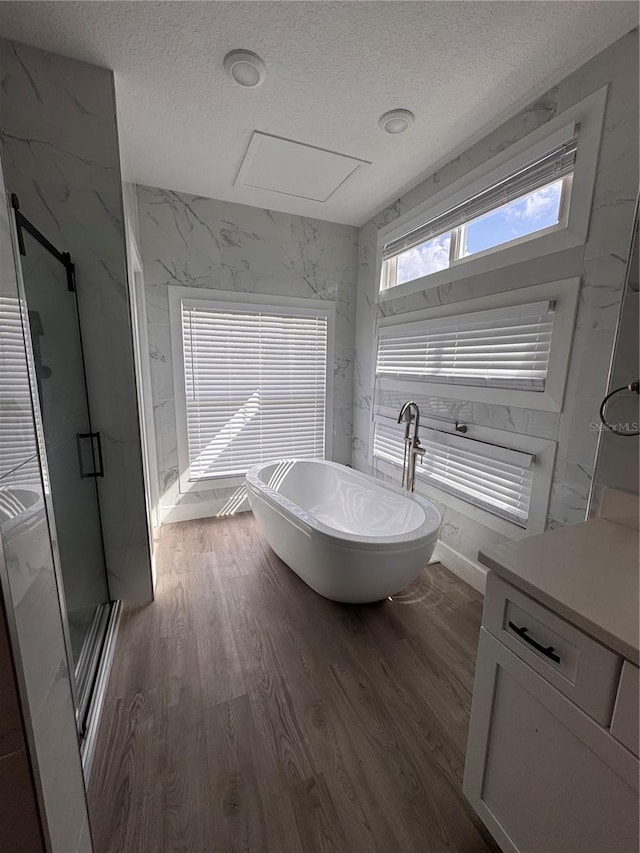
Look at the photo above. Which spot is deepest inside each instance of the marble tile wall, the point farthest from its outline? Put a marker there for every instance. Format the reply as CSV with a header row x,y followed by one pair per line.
x,y
60,150
198,242
618,463
30,600
601,264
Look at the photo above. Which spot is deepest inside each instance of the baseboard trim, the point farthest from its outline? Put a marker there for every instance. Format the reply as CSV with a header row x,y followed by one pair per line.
x,y
466,569
88,745
192,512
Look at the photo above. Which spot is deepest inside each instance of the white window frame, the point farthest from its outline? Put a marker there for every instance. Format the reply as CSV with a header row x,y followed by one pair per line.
x,y
543,448
458,241
589,115
564,292
284,305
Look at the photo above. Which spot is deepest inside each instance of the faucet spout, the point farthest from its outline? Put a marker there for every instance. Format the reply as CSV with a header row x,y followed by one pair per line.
x,y
403,410
409,405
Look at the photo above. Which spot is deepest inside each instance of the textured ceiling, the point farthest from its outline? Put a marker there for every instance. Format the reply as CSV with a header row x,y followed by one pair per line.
x,y
333,69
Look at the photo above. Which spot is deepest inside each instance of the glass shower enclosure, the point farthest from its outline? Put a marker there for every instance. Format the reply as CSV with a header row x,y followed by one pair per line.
x,y
73,452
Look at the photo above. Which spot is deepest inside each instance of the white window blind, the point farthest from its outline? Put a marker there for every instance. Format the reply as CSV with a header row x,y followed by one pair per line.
x,y
256,386
556,164
17,439
496,478
507,348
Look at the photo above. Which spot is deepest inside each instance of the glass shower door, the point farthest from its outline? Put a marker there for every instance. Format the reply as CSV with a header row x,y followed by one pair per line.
x,y
74,458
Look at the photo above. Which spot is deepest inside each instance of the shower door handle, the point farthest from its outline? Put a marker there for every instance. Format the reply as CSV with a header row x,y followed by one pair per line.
x,y
96,454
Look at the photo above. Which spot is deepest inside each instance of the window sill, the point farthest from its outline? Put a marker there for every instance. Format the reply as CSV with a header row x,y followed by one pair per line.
x,y
211,484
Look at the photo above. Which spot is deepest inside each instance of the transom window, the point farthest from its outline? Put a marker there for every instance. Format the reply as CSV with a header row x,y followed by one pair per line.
x,y
529,202
255,383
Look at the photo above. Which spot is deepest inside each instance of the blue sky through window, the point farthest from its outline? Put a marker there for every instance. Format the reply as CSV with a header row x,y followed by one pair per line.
x,y
526,215
533,212
425,259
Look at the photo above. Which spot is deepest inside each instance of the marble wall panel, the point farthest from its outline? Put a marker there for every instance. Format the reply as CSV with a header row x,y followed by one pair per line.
x,y
601,263
61,157
617,462
190,241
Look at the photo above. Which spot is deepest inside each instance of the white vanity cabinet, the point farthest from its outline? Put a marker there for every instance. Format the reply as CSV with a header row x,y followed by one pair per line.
x,y
552,758
625,725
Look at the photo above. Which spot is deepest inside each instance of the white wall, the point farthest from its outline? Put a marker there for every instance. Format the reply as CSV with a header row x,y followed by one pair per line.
x,y
198,242
601,264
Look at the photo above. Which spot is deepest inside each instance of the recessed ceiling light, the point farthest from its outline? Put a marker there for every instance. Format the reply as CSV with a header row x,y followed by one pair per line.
x,y
245,67
396,121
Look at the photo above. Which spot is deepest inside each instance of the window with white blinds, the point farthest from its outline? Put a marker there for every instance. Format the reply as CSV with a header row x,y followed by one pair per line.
x,y
17,440
501,348
497,479
255,382
531,200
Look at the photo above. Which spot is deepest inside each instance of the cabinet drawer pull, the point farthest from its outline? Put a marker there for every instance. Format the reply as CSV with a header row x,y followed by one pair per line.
x,y
549,651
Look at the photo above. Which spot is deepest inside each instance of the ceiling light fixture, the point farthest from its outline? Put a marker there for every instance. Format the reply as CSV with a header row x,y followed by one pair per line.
x,y
245,67
396,121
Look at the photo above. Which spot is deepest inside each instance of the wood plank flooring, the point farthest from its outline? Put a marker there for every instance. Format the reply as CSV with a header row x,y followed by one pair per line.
x,y
246,713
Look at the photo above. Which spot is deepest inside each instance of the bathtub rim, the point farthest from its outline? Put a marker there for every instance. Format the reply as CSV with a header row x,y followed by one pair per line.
x,y
313,527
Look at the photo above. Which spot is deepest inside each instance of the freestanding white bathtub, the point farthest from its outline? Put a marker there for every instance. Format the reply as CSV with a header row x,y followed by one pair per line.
x,y
348,536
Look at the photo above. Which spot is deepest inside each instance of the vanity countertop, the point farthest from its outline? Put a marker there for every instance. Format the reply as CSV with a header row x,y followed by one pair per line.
x,y
588,573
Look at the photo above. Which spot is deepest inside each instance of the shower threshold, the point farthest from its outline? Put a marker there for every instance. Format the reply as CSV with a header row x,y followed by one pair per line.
x,y
91,676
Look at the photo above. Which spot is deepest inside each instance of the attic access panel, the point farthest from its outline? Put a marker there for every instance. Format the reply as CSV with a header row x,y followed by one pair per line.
x,y
294,168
